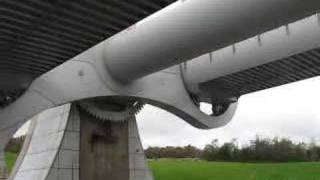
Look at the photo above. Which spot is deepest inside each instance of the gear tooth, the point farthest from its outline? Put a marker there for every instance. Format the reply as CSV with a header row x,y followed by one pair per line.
x,y
91,108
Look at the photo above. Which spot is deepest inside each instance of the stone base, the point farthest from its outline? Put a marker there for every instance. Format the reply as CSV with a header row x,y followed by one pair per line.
x,y
3,170
68,144
112,150
103,149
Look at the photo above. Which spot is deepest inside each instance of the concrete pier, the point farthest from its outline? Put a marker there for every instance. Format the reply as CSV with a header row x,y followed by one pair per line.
x,y
111,149
69,144
103,149
3,170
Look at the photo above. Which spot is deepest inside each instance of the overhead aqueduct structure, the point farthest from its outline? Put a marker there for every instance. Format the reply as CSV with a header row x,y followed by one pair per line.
x,y
81,70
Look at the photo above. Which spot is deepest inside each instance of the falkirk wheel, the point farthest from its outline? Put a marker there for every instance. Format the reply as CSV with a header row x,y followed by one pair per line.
x,y
82,70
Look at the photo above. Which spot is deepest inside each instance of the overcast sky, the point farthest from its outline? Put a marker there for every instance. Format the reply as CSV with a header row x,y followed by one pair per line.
x,y
287,111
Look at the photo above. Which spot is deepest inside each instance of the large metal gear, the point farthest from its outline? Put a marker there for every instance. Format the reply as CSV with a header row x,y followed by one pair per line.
x,y
106,110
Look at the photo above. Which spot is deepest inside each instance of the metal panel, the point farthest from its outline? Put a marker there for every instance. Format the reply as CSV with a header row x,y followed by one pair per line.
x,y
290,69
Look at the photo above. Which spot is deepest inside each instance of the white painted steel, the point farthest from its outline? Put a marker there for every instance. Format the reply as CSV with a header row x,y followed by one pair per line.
x,y
190,28
198,25
85,77
274,45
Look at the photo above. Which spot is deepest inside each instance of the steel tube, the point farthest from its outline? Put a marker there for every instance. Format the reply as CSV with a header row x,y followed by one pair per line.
x,y
298,37
190,28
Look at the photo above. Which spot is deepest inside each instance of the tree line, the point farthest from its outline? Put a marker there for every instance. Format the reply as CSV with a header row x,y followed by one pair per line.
x,y
173,152
258,150
15,144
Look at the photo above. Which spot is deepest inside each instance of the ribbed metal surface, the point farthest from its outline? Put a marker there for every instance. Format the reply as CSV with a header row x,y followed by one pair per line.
x,y
38,35
294,68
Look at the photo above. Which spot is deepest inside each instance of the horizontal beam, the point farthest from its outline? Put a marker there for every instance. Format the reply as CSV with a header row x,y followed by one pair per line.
x,y
188,29
289,46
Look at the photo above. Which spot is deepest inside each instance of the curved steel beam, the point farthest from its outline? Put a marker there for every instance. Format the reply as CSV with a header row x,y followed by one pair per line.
x,y
85,77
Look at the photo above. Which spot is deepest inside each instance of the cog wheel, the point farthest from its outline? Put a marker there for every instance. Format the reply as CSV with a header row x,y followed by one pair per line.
x,y
110,110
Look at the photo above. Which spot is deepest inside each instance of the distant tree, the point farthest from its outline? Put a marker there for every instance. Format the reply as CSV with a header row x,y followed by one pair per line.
x,y
15,144
258,150
263,150
313,151
173,152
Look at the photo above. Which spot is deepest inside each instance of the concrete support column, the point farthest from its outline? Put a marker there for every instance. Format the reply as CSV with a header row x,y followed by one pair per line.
x,y
103,149
138,166
112,150
3,170
66,143
52,152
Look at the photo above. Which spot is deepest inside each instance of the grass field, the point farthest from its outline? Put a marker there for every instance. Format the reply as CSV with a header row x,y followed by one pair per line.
x,y
188,169
170,169
10,160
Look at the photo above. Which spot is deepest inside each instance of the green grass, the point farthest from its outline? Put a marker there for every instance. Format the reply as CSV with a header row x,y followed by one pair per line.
x,y
189,169
10,160
174,169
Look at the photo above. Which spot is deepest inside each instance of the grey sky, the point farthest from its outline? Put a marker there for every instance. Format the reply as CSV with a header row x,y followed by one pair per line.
x,y
288,111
